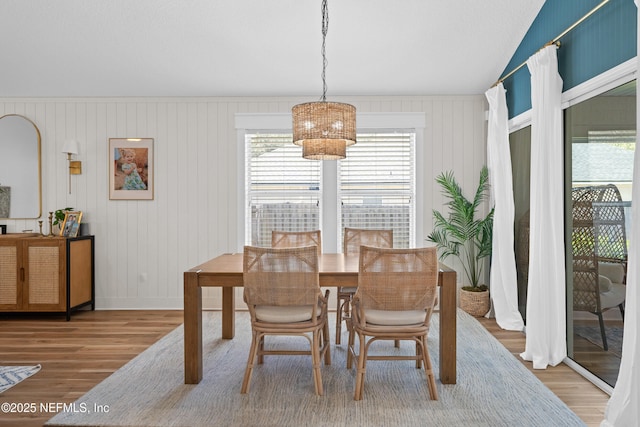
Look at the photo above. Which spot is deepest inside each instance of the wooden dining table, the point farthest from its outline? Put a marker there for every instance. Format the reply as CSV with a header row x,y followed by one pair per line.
x,y
225,271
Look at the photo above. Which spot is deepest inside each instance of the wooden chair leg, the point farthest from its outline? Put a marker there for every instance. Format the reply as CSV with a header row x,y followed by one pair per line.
x,y
343,312
260,350
315,358
360,371
350,344
428,368
250,364
338,321
327,342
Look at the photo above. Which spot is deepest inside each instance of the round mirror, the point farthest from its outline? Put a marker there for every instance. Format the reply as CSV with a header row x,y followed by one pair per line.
x,y
20,181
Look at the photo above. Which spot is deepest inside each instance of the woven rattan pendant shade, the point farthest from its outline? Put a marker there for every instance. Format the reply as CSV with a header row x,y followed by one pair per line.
x,y
324,129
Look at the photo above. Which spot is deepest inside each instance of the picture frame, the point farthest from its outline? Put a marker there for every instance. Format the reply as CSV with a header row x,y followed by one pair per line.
x,y
131,168
71,224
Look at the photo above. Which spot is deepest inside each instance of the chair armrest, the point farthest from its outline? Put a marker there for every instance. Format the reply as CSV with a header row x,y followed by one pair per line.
x,y
614,271
604,283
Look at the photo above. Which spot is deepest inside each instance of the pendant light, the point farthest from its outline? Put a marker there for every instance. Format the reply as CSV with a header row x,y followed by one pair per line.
x,y
324,129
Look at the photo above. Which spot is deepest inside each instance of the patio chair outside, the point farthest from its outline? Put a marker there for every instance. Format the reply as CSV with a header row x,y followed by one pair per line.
x,y
599,250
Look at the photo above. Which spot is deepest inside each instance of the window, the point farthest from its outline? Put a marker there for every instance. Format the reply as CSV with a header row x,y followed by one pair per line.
x,y
282,189
374,187
376,184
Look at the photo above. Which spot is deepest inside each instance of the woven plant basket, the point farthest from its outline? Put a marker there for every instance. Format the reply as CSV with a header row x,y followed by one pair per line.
x,y
474,303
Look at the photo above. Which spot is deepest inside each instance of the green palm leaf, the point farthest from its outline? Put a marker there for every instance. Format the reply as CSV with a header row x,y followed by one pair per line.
x,y
460,234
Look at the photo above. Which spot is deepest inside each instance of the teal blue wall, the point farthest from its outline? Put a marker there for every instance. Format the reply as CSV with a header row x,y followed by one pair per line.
x,y
603,41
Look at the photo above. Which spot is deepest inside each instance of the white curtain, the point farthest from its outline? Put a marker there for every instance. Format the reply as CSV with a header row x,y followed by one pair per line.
x,y
546,311
504,285
623,408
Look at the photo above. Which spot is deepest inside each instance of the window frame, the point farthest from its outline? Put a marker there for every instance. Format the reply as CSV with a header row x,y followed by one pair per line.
x,y
251,122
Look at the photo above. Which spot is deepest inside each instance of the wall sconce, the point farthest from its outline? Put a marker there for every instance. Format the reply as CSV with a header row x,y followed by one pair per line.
x,y
75,166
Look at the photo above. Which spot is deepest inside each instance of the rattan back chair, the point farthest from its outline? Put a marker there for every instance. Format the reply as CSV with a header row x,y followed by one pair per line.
x,y
394,301
293,239
352,240
282,292
599,250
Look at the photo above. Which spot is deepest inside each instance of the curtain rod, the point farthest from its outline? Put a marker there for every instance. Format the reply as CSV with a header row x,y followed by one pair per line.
x,y
555,41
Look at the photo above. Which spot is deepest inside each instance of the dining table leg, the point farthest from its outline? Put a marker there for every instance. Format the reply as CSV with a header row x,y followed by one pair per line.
x,y
448,317
228,313
192,328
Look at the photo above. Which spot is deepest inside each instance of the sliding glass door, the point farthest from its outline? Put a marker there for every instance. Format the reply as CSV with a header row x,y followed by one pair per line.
x,y
600,141
520,146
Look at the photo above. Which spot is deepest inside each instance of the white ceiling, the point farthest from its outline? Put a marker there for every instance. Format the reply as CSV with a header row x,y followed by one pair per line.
x,y
68,48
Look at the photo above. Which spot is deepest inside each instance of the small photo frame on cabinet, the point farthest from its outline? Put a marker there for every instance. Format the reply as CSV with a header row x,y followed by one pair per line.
x,y
71,224
131,168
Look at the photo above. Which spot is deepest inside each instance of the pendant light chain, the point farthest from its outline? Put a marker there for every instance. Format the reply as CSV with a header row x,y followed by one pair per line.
x,y
325,29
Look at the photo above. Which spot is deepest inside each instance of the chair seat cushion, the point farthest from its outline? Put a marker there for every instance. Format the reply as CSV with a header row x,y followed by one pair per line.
x,y
613,297
395,318
348,290
284,314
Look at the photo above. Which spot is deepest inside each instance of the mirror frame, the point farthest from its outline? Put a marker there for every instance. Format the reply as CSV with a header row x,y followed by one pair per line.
x,y
39,212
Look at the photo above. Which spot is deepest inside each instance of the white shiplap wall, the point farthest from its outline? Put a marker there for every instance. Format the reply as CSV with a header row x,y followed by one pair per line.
x,y
143,247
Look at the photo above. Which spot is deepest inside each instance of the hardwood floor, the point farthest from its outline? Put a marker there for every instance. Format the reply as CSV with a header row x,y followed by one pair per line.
x,y
79,354
75,355
603,364
584,398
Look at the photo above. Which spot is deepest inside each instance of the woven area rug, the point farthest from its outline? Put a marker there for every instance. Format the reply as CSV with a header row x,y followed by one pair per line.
x,y
592,334
12,375
493,388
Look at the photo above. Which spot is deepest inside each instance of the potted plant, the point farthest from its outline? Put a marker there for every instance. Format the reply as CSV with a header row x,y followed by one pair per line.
x,y
58,217
464,236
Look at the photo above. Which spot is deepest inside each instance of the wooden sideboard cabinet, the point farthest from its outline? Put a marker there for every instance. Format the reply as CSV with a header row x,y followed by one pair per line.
x,y
46,274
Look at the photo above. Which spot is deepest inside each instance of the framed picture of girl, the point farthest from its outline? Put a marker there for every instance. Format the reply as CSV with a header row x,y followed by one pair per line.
x,y
71,224
131,168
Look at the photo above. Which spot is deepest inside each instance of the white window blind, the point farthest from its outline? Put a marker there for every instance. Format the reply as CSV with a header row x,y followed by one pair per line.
x,y
283,189
376,184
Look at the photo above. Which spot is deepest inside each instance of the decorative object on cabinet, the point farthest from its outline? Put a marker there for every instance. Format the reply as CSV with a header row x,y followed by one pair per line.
x,y
84,229
131,168
71,224
50,224
55,274
58,219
